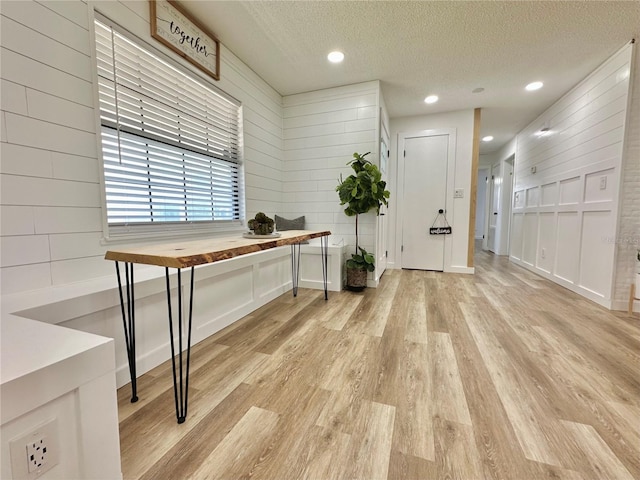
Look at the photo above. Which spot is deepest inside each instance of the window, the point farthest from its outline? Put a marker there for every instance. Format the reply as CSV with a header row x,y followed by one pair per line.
x,y
170,143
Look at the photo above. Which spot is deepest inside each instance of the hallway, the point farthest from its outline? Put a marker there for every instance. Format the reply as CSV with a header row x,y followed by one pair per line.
x,y
500,375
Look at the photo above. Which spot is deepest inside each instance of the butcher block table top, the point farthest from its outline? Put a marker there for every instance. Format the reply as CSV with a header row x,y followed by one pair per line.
x,y
182,254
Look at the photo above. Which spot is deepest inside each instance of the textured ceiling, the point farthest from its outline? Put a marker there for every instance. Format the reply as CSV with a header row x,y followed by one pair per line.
x,y
447,48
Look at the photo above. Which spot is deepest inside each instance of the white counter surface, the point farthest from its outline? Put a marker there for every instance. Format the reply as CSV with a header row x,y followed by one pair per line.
x,y
49,358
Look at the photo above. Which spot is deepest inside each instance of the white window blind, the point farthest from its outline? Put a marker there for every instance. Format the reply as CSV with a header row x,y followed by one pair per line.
x,y
170,143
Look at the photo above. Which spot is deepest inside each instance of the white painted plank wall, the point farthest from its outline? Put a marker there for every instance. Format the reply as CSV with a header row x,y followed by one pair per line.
x,y
628,238
565,214
51,195
322,130
50,200
49,152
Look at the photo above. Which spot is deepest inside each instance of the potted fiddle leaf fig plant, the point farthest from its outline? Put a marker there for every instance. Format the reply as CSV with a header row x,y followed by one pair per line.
x,y
361,192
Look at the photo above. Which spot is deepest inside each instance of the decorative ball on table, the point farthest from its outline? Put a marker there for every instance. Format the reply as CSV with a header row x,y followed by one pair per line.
x,y
261,224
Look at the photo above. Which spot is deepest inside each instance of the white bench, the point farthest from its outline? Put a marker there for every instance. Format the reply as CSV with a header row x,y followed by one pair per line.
x,y
249,282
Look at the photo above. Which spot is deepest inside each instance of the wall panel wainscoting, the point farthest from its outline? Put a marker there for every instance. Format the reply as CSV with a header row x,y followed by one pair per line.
x,y
501,374
568,180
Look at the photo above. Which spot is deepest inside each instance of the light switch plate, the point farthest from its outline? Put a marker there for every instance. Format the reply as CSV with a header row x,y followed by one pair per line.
x,y
603,182
458,193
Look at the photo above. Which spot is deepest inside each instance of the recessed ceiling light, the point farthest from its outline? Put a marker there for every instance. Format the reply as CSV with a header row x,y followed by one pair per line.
x,y
431,99
488,138
335,57
534,86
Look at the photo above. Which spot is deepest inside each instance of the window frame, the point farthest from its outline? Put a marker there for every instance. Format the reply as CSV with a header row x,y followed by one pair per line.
x,y
123,233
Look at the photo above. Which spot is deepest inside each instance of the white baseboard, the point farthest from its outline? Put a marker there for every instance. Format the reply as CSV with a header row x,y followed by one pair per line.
x,y
467,270
586,293
623,306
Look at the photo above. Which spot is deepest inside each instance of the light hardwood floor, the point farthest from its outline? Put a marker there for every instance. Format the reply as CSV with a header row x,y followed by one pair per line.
x,y
498,375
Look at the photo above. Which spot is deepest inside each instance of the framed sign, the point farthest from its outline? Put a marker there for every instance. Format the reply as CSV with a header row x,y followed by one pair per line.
x,y
172,26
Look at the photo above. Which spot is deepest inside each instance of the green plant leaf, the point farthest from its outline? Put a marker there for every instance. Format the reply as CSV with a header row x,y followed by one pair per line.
x,y
360,193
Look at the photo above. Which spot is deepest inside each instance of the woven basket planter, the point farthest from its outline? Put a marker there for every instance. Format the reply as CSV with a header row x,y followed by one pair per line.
x,y
356,279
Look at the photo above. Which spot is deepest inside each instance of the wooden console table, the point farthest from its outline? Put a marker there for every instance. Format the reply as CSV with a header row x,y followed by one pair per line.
x,y
189,254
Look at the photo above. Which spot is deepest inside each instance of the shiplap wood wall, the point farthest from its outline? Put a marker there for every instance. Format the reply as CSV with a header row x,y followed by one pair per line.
x,y
50,203
50,184
52,221
322,130
51,208
628,237
565,214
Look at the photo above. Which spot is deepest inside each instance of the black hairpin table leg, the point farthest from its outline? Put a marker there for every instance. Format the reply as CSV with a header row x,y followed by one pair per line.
x,y
180,371
295,267
324,247
129,323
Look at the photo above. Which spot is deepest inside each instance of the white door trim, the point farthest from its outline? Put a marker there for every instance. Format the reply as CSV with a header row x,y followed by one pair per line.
x,y
508,203
382,223
451,170
495,207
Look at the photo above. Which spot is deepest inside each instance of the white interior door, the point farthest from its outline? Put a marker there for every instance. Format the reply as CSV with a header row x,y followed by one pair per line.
x,y
481,202
507,192
425,192
494,206
381,244
381,241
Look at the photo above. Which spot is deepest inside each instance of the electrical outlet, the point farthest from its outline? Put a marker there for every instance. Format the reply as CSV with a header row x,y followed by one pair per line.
x,y
36,452
543,253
